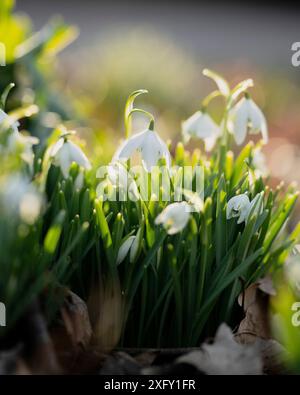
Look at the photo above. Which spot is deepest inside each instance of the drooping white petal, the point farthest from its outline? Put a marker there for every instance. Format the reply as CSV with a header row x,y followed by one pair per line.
x,y
63,159
239,121
151,151
53,150
120,178
133,192
78,156
201,125
238,206
17,140
65,153
135,246
150,145
124,249
6,121
195,125
164,150
194,200
207,127
174,217
209,142
20,197
128,147
247,115
117,175
259,163
258,120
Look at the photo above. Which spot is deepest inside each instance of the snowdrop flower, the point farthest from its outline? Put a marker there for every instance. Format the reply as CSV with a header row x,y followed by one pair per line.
x,y
259,163
18,195
124,249
26,143
149,144
241,207
6,122
201,126
120,178
17,140
238,206
194,200
246,115
130,244
174,217
65,152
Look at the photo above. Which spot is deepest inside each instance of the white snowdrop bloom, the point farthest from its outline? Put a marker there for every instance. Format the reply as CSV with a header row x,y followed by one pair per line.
x,y
122,179
118,175
6,122
149,144
135,246
174,217
194,200
30,207
244,116
200,125
17,140
19,196
65,153
238,206
259,163
25,143
124,249
132,244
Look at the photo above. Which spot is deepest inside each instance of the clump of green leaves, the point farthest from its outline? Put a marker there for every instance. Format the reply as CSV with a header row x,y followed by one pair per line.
x,y
177,272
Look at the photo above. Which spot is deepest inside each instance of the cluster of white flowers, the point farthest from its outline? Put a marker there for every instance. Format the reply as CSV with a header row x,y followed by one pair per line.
x,y
244,116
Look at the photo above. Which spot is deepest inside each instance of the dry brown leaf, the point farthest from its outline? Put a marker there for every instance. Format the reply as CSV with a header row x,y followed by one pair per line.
x,y
73,334
255,302
225,356
76,320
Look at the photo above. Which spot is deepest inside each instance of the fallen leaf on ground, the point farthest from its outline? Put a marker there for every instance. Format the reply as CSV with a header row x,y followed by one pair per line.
x,y
255,302
225,356
76,320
